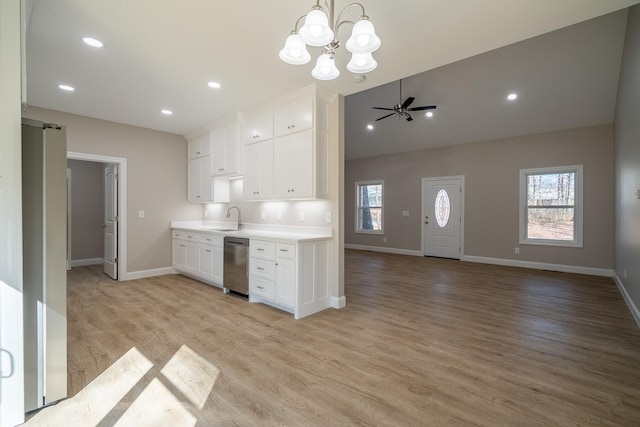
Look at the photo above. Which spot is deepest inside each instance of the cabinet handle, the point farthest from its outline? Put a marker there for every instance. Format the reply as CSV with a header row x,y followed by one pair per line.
x,y
208,250
197,152
260,249
284,250
292,126
260,268
220,169
260,287
197,197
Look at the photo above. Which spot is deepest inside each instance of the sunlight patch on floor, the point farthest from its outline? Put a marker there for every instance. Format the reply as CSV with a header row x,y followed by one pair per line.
x,y
192,375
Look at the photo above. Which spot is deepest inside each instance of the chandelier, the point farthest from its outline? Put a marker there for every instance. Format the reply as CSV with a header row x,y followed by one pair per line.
x,y
320,28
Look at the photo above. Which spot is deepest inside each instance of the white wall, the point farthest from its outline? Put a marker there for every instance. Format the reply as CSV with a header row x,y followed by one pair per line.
x,y
627,166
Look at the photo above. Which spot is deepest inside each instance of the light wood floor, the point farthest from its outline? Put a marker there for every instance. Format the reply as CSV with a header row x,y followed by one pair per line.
x,y
422,342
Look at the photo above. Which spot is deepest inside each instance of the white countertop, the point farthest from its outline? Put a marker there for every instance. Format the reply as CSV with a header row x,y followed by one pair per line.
x,y
280,233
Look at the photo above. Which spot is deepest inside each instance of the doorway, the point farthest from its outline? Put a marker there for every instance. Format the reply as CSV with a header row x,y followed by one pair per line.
x,y
113,223
443,216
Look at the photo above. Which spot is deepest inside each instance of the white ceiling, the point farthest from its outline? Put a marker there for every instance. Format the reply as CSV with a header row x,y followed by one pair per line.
x,y
161,54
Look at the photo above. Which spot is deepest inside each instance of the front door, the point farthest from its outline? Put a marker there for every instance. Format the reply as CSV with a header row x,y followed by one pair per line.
x,y
442,216
110,225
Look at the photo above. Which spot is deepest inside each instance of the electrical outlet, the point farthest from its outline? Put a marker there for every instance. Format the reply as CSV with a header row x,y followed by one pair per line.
x,y
405,213
301,216
263,215
384,240
328,217
517,251
140,214
625,274
206,213
279,215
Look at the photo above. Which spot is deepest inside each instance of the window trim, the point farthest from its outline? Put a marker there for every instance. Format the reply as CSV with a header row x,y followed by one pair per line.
x,y
577,241
357,228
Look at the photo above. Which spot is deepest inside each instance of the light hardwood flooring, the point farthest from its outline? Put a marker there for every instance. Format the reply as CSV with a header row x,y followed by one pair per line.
x,y
421,342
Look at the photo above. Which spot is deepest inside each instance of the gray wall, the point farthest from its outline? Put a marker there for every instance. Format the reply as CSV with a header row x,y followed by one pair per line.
x,y
156,179
491,171
627,161
87,206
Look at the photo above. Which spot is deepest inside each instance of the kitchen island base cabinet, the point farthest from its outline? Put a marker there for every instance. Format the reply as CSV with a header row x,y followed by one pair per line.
x,y
291,277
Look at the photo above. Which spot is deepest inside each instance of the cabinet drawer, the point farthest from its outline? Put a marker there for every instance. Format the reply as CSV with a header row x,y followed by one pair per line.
x,y
262,287
263,268
209,240
286,250
177,234
264,250
191,237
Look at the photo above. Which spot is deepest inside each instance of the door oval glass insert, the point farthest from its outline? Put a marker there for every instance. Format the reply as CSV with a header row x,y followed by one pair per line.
x,y
442,208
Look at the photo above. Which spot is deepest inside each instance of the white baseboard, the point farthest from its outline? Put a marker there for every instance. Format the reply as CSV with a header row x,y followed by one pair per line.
x,y
632,306
88,261
383,249
338,302
143,274
604,272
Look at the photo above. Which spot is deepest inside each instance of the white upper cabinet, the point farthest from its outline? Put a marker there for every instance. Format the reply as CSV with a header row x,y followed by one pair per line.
x,y
258,180
293,118
198,147
258,128
225,149
201,186
294,167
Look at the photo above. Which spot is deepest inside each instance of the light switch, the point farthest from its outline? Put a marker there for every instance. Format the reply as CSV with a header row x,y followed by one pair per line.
x,y
328,217
279,215
405,213
263,215
140,214
301,216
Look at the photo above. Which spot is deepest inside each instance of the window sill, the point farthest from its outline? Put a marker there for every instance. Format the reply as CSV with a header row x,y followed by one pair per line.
x,y
369,232
559,243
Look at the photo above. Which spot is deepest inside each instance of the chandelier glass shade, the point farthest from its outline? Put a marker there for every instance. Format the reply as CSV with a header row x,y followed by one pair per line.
x,y
320,28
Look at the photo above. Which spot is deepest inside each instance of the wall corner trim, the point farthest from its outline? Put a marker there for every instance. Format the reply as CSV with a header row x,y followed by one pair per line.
x,y
143,274
633,308
383,249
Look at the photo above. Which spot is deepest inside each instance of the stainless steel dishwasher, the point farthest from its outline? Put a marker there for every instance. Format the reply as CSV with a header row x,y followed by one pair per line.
x,y
236,274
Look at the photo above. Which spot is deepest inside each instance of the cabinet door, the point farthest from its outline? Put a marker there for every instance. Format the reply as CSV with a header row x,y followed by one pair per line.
x,y
178,254
294,166
205,261
293,118
191,258
258,179
194,184
286,282
224,150
217,152
217,263
258,128
198,147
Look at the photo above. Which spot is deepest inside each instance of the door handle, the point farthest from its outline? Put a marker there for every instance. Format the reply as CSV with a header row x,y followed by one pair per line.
x,y
104,226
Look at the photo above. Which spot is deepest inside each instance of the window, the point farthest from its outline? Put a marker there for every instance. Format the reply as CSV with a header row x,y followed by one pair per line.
x,y
369,207
551,206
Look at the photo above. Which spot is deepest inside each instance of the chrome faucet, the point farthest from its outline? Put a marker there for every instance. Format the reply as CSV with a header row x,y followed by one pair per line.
x,y
228,215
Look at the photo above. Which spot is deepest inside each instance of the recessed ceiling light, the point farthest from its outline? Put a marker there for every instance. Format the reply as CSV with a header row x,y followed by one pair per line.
x,y
512,96
92,42
214,85
429,114
67,88
167,112
370,127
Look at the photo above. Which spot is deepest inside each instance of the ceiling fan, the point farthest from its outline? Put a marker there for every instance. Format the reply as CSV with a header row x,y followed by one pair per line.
x,y
401,110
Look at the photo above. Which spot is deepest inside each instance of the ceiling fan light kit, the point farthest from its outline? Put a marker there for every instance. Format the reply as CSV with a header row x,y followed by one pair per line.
x,y
320,28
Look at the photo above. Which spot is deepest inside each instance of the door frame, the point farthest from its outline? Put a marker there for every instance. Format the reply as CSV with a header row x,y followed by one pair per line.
x,y
122,202
425,182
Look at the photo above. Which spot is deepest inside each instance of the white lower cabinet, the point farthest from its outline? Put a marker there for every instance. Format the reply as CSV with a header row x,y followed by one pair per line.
x,y
198,255
288,276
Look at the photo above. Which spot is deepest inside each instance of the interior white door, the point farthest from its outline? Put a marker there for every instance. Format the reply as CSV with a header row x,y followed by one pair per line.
x,y
110,225
442,217
69,219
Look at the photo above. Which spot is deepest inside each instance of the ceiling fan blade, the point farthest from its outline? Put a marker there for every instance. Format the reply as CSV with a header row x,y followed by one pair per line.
x,y
408,102
383,108
426,107
407,116
384,117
